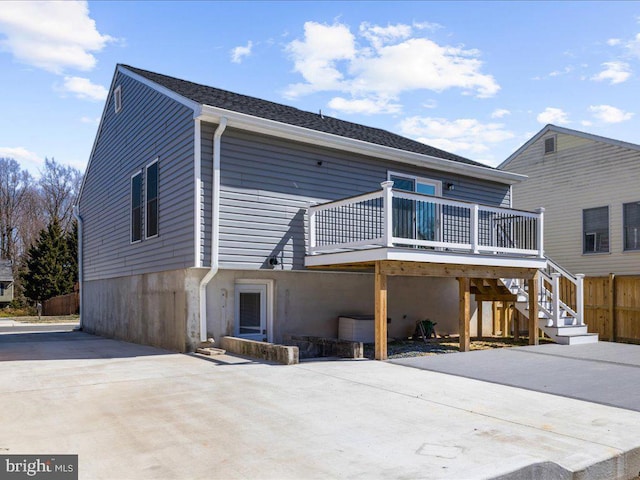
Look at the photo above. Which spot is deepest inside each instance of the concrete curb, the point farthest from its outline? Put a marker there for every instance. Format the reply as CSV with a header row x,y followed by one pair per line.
x,y
286,355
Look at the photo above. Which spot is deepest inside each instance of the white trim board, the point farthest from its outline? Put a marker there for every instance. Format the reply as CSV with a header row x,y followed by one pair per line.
x,y
375,254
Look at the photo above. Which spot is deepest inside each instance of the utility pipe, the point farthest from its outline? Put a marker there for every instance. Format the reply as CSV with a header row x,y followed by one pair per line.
x,y
76,214
215,228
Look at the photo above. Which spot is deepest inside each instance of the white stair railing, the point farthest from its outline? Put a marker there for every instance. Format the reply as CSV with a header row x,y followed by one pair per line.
x,y
551,302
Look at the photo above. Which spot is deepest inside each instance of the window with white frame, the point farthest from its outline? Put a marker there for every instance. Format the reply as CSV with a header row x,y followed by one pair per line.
x,y
151,199
136,207
117,99
595,228
631,221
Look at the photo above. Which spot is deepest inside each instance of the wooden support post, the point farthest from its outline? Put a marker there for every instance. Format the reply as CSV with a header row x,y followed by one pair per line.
x,y
516,322
380,314
479,320
504,319
612,307
464,318
533,310
494,318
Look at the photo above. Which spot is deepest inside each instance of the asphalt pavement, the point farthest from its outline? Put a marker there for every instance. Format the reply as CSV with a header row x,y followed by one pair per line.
x,y
606,373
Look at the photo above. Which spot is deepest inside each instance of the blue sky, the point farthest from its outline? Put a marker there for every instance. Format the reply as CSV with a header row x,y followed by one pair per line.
x,y
474,78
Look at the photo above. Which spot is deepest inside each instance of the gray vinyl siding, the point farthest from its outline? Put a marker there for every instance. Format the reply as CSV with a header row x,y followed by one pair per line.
x,y
149,126
583,173
267,183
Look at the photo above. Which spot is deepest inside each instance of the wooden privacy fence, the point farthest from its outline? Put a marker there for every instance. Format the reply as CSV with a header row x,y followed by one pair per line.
x,y
63,305
612,307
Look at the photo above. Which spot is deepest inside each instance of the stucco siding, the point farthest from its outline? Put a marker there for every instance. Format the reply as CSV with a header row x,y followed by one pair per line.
x,y
582,174
267,184
309,303
150,126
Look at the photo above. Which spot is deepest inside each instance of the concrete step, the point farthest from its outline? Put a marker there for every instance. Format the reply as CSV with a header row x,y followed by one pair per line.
x,y
577,339
566,331
210,351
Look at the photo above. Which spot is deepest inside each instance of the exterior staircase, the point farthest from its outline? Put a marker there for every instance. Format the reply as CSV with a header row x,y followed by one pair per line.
x,y
560,304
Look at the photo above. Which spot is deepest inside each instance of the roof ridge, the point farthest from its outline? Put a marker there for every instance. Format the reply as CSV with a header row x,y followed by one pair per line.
x,y
258,107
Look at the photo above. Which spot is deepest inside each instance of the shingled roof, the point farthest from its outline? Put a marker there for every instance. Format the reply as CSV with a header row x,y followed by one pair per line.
x,y
5,271
257,107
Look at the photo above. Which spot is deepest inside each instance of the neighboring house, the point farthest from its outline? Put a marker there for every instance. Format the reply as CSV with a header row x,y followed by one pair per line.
x,y
590,189
6,282
204,213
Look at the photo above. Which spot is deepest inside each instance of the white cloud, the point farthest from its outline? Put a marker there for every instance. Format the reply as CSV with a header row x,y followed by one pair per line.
x,y
51,35
553,115
380,36
614,72
22,155
609,114
564,71
634,45
427,26
612,42
89,120
238,53
316,57
386,62
500,113
431,103
462,136
84,89
364,105
586,123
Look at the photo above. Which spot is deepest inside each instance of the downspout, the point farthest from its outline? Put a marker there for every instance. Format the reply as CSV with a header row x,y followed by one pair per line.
x,y
76,214
215,228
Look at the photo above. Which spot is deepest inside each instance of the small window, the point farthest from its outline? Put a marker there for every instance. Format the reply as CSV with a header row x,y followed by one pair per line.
x,y
631,215
549,145
151,199
595,228
136,207
117,98
1,289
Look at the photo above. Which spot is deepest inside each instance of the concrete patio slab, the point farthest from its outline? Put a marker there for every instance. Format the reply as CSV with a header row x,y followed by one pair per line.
x,y
606,373
137,412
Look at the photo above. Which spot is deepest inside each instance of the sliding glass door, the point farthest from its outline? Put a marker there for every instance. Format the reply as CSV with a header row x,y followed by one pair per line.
x,y
417,220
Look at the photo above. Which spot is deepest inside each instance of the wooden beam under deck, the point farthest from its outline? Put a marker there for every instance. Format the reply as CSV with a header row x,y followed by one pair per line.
x,y
464,319
424,269
479,319
533,310
416,269
380,318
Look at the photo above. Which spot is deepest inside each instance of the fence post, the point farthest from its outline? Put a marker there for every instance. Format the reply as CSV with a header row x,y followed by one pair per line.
x,y
555,297
387,213
612,307
580,297
474,229
540,212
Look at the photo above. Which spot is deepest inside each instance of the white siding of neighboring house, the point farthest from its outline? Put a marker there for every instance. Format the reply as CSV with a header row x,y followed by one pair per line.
x,y
583,173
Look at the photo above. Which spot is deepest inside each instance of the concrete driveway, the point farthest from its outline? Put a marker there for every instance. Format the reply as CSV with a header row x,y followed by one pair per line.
x,y
134,412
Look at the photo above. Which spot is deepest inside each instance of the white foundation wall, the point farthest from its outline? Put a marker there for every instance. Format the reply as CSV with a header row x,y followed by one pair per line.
x,y
309,303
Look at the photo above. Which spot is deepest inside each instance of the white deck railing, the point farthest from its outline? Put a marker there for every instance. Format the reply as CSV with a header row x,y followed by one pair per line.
x,y
394,218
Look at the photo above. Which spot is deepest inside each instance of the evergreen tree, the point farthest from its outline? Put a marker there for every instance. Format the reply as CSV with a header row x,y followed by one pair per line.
x,y
51,267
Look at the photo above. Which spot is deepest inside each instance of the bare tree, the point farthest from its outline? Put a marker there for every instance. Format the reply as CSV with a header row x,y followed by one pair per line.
x,y
14,188
59,186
